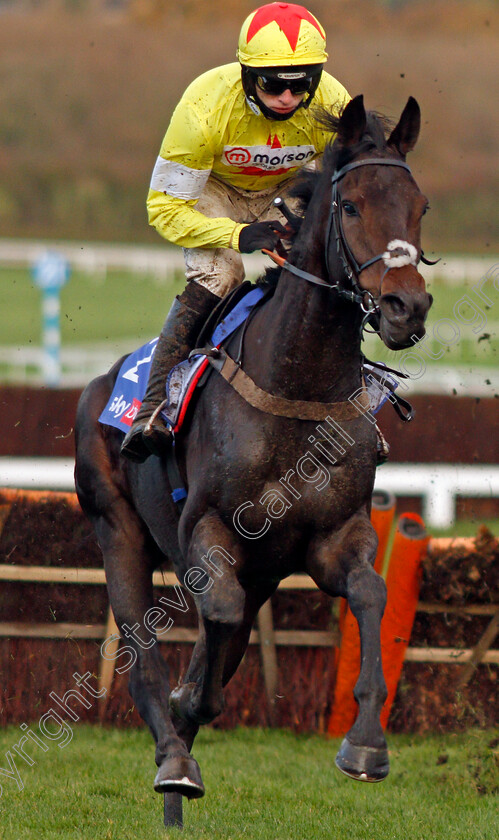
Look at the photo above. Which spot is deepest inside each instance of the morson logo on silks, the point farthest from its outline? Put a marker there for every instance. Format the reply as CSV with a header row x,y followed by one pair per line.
x,y
267,160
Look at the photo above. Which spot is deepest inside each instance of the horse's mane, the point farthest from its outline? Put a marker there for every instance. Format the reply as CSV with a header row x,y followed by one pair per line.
x,y
335,157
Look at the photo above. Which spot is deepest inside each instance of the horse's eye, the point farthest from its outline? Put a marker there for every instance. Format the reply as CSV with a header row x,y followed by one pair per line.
x,y
425,209
349,208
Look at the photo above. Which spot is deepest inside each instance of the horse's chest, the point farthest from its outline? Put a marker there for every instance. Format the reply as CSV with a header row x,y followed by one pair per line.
x,y
281,479
289,501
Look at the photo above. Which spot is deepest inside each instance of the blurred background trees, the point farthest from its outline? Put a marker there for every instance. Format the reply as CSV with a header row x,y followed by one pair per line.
x,y
87,88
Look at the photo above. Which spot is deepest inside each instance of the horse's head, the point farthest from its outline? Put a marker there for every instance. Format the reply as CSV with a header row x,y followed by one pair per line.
x,y
375,220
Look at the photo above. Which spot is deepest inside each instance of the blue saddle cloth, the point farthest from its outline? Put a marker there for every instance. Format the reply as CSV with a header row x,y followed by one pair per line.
x,y
131,382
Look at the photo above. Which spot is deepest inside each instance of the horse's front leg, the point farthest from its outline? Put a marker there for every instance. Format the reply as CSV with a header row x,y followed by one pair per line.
x,y
221,602
342,564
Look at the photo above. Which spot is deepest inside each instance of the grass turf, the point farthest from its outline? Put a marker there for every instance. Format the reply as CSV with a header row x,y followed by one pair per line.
x,y
261,784
128,305
123,306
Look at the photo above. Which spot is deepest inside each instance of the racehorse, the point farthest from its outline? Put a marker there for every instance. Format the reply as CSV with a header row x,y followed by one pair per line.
x,y
271,491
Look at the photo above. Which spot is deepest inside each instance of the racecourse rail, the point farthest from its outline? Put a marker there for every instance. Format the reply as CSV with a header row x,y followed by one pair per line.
x,y
439,485
159,261
80,363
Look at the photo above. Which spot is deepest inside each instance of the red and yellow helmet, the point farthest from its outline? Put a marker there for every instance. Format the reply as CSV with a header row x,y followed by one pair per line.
x,y
281,35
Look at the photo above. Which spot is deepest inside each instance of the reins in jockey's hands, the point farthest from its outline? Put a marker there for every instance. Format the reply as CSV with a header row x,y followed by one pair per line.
x,y
260,235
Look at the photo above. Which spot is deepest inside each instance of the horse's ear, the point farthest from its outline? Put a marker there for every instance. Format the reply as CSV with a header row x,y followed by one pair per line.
x,y
352,122
405,134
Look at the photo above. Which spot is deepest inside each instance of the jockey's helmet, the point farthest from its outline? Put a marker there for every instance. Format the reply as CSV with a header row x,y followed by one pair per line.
x,y
281,43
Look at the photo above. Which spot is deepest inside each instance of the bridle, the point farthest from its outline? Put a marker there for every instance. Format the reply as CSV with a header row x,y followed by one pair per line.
x,y
352,269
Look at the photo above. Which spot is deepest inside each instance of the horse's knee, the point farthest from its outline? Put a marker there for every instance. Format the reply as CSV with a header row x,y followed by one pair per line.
x,y
223,605
189,703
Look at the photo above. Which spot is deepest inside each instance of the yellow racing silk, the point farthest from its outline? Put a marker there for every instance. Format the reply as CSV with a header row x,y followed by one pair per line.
x,y
214,132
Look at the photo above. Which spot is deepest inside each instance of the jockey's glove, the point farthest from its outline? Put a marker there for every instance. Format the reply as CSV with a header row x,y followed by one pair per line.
x,y
260,235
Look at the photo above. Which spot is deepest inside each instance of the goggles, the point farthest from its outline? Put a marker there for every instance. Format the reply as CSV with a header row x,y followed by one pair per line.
x,y
275,86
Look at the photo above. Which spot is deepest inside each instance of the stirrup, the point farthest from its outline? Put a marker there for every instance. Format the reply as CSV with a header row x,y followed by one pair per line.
x,y
382,447
157,438
148,428
133,446
142,439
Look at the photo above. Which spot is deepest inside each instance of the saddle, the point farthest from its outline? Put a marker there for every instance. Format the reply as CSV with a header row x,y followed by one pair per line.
x,y
184,379
232,314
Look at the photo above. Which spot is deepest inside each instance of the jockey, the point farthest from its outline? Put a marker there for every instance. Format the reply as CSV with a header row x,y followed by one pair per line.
x,y
236,140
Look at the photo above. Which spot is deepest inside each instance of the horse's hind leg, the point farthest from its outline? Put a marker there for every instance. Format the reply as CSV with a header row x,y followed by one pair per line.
x,y
129,559
343,565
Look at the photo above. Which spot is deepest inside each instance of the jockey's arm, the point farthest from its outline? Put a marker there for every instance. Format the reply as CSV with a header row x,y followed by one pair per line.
x,y
179,177
178,221
193,145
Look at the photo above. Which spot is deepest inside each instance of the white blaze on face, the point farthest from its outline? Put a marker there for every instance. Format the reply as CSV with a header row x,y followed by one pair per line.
x,y
399,253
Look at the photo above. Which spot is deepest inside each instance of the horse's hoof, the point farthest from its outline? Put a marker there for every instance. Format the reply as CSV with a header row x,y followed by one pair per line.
x,y
365,764
180,774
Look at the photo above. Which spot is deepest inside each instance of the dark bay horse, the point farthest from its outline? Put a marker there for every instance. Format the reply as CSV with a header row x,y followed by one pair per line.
x,y
280,482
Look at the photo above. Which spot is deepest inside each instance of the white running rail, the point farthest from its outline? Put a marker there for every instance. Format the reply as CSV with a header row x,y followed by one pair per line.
x,y
160,260
438,485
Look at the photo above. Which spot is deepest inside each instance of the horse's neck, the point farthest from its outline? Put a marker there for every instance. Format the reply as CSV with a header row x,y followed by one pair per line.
x,y
309,346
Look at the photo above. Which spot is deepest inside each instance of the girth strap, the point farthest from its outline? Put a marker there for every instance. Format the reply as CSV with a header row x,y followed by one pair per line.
x,y
235,376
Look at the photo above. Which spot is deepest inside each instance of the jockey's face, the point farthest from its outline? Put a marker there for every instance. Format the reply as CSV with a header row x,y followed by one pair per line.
x,y
282,103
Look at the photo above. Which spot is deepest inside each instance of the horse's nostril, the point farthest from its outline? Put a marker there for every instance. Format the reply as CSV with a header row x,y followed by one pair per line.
x,y
393,305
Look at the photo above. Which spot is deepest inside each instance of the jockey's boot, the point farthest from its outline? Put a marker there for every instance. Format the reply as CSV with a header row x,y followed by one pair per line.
x,y
148,433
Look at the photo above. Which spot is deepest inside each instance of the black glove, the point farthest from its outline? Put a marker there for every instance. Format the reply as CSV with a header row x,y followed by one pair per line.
x,y
260,235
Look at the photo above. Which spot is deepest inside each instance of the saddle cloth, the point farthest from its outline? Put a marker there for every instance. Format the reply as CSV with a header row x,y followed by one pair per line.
x,y
183,379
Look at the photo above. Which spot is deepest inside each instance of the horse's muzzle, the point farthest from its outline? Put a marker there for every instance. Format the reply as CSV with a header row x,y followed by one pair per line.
x,y
403,316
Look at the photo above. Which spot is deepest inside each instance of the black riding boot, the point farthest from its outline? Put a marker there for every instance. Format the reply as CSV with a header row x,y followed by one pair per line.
x,y
148,434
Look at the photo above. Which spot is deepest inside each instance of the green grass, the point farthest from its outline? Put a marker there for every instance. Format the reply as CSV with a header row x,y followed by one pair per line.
x,y
261,784
124,310
126,305
122,306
